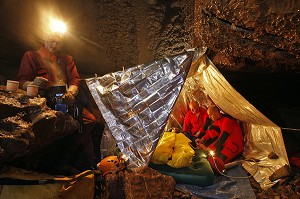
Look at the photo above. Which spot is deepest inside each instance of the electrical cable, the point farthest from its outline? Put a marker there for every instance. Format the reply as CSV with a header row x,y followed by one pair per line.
x,y
237,162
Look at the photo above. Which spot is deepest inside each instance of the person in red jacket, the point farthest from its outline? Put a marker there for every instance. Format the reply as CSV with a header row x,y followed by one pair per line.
x,y
194,120
48,68
224,136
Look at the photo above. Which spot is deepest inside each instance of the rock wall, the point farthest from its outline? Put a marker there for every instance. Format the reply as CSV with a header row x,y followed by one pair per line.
x,y
255,37
250,35
104,36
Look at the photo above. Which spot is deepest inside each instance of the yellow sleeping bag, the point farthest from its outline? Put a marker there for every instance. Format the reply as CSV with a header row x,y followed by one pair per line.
x,y
164,148
173,149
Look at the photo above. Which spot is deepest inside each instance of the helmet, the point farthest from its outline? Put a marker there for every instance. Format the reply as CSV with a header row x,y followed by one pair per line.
x,y
110,164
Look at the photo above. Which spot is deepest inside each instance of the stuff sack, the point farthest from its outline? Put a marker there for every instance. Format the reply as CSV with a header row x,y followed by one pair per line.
x,y
183,153
164,148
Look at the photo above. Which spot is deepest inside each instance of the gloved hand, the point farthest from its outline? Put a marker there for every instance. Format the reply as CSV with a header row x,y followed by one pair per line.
x,y
41,82
199,141
73,89
24,87
203,147
68,98
197,134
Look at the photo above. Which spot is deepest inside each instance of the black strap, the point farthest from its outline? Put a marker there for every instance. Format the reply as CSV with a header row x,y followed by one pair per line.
x,y
222,139
207,124
209,141
216,128
12,181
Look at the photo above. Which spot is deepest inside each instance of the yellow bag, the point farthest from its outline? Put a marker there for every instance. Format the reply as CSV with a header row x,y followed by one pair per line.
x,y
164,148
183,153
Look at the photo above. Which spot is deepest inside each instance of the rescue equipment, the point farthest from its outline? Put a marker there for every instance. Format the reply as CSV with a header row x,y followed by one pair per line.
x,y
111,164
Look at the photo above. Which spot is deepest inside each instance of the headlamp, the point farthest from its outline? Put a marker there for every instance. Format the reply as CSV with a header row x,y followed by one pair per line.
x,y
57,26
55,30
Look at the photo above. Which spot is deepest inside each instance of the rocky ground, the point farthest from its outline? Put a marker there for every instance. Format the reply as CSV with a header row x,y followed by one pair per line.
x,y
288,187
132,184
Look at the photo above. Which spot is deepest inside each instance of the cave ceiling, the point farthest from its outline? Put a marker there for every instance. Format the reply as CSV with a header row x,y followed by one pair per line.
x,y
250,35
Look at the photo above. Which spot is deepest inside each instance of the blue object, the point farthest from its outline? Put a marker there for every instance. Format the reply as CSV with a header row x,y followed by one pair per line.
x,y
61,107
223,187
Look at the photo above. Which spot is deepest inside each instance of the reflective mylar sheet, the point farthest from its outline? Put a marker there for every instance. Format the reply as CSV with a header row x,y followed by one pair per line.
x,y
136,103
262,136
139,102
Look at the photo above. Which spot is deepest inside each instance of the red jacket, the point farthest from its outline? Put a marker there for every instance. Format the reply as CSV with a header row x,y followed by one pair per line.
x,y
192,124
40,63
228,136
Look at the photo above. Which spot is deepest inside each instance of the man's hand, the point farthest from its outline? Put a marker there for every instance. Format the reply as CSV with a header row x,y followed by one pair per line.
x,y
202,146
41,82
68,98
199,141
197,134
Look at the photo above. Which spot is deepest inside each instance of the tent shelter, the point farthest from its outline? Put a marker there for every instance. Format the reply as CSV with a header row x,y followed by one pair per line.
x,y
140,102
137,102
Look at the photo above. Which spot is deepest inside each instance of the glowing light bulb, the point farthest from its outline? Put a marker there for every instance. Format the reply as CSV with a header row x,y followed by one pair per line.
x,y
57,26
212,153
124,157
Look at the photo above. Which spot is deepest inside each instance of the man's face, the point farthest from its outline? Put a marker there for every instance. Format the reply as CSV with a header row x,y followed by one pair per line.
x,y
213,114
194,108
53,44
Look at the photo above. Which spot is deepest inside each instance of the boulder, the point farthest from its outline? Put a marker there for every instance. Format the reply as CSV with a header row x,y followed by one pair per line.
x,y
141,182
27,125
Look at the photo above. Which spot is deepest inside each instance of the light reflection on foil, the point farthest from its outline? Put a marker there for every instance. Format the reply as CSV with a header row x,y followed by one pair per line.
x,y
136,102
139,102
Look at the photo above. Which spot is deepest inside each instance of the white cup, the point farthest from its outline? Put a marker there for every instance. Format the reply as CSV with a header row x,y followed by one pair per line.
x,y
32,90
12,85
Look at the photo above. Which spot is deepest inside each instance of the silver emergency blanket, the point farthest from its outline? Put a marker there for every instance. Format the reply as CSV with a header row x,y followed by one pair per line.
x,y
137,102
262,136
206,84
